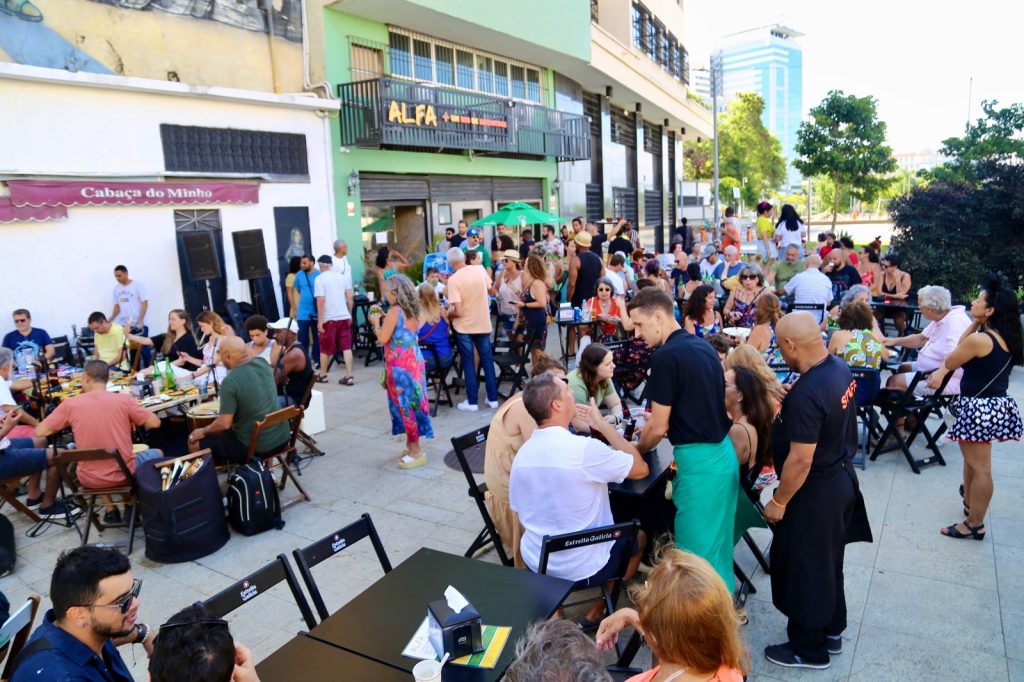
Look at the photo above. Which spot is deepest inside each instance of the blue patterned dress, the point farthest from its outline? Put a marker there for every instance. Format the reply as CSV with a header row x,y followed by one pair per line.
x,y
406,384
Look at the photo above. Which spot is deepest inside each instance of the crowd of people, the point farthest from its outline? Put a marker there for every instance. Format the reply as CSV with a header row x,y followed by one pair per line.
x,y
707,332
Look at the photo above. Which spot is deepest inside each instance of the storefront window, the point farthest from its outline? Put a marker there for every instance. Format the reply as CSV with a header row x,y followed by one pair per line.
x,y
401,62
445,63
398,225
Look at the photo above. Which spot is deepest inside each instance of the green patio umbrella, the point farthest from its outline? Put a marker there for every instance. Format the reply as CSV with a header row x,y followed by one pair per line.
x,y
517,213
379,225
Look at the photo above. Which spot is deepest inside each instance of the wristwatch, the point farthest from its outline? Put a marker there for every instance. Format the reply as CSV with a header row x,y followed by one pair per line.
x,y
143,632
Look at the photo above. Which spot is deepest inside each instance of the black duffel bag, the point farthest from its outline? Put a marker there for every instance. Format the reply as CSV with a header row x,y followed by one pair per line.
x,y
186,521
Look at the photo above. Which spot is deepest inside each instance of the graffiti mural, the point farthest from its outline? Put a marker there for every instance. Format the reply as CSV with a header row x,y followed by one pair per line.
x,y
161,39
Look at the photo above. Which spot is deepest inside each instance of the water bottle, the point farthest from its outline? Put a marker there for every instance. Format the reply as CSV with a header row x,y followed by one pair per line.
x,y
576,312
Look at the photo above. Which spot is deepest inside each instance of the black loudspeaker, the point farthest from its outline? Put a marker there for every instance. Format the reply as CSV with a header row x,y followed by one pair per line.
x,y
250,254
201,255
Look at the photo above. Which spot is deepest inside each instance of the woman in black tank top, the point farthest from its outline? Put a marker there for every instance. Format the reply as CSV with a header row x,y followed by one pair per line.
x,y
988,351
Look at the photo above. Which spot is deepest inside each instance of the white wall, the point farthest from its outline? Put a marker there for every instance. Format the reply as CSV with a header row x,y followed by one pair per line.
x,y
62,271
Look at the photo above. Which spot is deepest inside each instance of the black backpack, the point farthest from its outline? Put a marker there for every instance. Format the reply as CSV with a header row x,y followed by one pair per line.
x,y
253,504
7,553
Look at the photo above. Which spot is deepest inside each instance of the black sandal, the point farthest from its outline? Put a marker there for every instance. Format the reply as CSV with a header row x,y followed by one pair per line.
x,y
966,506
953,532
347,381
321,379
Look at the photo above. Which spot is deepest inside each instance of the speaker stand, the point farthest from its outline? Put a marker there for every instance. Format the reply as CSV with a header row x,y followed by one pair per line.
x,y
209,295
256,298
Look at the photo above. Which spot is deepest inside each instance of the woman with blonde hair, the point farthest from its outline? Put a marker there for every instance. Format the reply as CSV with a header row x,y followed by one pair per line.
x,y
534,303
685,613
768,312
434,329
745,355
214,329
179,343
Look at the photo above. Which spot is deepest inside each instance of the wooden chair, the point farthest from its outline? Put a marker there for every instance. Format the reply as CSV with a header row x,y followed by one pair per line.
x,y
331,544
8,494
15,632
255,585
303,437
67,461
283,456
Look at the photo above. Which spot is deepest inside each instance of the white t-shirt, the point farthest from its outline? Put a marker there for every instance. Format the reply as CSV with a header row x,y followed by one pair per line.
x,y
341,266
618,282
788,236
559,484
129,297
332,286
6,397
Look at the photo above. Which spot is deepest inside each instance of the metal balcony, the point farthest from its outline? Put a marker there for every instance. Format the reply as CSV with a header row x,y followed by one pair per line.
x,y
388,112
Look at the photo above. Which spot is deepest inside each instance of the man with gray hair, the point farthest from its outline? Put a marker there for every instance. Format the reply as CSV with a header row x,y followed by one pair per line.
x,y
557,650
339,261
785,269
811,287
947,323
470,314
559,484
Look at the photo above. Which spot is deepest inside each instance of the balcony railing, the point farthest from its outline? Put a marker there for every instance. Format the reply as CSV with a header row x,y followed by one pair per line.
x,y
385,112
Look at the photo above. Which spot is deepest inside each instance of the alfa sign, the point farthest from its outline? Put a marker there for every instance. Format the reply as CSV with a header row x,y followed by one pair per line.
x,y
422,115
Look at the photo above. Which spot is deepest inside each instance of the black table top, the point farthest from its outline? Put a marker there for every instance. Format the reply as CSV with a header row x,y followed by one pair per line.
x,y
658,461
380,622
305,659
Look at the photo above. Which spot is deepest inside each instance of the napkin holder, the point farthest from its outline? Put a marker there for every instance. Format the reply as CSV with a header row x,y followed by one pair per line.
x,y
141,389
457,633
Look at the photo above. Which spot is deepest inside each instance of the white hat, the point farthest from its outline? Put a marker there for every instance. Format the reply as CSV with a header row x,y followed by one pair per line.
x,y
285,323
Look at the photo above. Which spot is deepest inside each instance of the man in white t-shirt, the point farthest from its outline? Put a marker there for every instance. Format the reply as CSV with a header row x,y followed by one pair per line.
x,y
339,261
559,484
812,286
334,299
130,305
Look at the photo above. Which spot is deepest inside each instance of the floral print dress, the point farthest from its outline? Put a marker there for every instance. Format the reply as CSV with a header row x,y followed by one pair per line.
x,y
405,380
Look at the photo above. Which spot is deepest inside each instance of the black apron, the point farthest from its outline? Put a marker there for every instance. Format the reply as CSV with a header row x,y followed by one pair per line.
x,y
824,516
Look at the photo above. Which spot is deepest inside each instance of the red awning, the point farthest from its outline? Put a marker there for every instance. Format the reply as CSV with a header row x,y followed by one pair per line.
x,y
10,213
59,193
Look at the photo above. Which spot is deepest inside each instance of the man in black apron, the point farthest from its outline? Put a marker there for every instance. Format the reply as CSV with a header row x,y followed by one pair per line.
x,y
817,508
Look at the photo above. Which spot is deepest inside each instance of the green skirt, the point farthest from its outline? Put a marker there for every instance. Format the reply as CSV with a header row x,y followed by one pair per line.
x,y
705,493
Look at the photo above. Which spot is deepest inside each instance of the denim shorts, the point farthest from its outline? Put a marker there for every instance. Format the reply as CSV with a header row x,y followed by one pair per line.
x,y
21,458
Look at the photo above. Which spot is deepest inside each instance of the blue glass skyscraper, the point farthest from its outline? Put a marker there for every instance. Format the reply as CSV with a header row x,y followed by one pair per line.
x,y
768,61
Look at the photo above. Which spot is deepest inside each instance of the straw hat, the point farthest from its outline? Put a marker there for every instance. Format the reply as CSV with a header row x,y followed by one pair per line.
x,y
511,254
583,239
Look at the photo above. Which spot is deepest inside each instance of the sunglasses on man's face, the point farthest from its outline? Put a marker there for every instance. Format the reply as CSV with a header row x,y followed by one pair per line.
x,y
124,603
19,320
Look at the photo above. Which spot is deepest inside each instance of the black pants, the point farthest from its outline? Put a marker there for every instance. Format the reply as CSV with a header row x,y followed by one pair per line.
x,y
809,642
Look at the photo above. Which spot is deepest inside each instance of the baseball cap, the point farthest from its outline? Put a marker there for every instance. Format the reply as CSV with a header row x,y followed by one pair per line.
x,y
285,323
473,232
709,249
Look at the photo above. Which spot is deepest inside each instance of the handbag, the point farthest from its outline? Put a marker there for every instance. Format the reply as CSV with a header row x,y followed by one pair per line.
x,y
953,411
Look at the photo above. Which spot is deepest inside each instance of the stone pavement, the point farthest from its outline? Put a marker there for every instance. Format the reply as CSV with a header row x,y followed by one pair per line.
x,y
920,606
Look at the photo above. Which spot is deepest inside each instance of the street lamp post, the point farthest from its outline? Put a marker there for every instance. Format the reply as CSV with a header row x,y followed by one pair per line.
x,y
716,90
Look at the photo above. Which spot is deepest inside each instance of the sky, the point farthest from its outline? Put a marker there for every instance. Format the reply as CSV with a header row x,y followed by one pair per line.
x,y
915,57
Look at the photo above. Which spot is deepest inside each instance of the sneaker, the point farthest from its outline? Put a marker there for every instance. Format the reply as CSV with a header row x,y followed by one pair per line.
x,y
465,406
112,517
410,462
493,404
60,509
33,502
783,654
834,644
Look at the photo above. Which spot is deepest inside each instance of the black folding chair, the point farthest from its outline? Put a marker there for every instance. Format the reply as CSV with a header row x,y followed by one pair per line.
x,y
552,544
438,377
256,584
869,382
819,310
489,534
896,406
329,545
512,364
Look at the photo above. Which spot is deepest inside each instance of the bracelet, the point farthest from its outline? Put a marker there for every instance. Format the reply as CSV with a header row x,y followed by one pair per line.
x,y
778,504
143,632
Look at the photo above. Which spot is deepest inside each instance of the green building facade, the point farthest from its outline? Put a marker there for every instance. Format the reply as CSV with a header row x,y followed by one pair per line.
x,y
447,113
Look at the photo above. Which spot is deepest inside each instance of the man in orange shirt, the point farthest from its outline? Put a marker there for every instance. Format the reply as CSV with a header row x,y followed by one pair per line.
x,y
470,312
104,420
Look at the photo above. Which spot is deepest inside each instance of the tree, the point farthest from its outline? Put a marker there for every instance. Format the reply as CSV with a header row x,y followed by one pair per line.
x,y
845,141
999,136
952,234
745,150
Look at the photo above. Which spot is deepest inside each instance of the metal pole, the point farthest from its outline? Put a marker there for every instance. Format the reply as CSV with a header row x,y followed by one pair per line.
x,y
808,210
716,76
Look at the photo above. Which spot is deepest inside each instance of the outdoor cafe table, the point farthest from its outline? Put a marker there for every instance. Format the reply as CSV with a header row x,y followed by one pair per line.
x,y
379,623
562,340
644,498
305,659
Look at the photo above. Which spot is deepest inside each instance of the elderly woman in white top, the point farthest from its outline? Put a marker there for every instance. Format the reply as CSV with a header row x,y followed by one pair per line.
x,y
947,323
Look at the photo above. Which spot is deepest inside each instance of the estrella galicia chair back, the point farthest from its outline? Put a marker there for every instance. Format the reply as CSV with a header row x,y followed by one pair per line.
x,y
869,382
331,544
552,544
897,405
478,491
255,585
819,310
